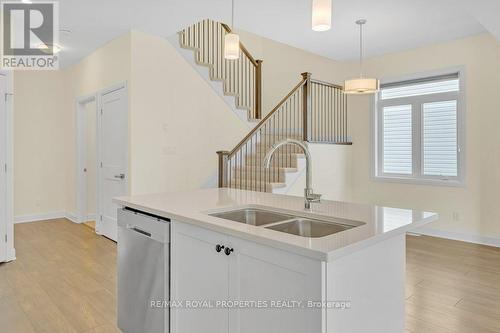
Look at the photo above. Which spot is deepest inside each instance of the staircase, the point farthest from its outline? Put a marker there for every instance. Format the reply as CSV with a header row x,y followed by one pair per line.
x,y
313,111
241,77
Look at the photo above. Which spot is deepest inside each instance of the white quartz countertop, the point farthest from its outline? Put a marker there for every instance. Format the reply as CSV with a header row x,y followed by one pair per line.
x,y
377,223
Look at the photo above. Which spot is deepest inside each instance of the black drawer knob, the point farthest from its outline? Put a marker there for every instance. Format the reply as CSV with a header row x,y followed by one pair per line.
x,y
219,247
228,251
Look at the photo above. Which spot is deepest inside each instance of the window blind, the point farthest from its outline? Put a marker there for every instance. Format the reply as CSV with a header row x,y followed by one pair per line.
x,y
419,87
440,138
397,139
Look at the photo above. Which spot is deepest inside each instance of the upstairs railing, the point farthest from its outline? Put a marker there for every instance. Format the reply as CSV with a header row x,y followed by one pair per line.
x,y
313,111
242,77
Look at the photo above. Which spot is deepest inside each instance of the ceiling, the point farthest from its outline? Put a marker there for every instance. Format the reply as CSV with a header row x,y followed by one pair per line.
x,y
393,25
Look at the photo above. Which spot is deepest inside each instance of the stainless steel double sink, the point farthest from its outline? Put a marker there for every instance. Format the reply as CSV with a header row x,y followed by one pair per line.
x,y
288,223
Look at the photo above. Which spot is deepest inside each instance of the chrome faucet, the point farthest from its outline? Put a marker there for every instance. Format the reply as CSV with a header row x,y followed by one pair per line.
x,y
309,195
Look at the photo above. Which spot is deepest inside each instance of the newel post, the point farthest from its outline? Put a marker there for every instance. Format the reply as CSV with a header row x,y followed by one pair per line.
x,y
222,173
307,106
258,89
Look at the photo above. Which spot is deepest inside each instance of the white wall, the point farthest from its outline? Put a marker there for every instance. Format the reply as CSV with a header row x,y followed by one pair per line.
x,y
476,205
330,172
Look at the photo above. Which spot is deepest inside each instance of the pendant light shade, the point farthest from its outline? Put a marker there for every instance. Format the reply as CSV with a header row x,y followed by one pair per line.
x,y
321,15
231,46
232,40
361,85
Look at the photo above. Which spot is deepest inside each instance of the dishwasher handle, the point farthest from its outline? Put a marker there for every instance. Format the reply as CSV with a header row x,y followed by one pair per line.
x,y
139,230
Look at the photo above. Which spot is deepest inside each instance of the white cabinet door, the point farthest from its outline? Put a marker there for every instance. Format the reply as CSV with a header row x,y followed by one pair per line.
x,y
198,273
262,273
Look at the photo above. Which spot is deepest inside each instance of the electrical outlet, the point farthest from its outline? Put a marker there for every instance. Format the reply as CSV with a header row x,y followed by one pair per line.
x,y
456,216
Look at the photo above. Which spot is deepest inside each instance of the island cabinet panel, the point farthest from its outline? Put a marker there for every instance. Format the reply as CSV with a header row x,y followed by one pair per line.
x,y
282,282
372,280
259,288
198,273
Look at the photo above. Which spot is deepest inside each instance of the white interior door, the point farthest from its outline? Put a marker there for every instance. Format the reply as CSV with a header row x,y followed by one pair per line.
x,y
113,153
3,170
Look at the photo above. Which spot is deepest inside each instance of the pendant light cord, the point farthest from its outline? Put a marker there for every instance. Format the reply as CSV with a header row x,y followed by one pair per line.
x,y
360,50
232,14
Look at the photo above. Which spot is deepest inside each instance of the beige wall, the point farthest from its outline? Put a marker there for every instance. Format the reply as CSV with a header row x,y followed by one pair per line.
x,y
283,65
108,66
476,204
45,125
40,129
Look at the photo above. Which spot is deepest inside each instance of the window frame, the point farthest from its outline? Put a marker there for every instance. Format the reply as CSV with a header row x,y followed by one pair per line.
x,y
417,103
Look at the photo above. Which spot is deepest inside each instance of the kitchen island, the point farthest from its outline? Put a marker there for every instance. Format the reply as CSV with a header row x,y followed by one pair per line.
x,y
242,261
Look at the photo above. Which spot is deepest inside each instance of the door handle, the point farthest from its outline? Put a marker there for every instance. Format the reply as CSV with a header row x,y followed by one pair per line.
x,y
120,176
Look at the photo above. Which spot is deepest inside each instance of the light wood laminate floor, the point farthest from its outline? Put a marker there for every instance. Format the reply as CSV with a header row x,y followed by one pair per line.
x,y
64,280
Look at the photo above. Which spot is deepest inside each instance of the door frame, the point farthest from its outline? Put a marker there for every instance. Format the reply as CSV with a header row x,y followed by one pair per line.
x,y
81,177
7,228
81,192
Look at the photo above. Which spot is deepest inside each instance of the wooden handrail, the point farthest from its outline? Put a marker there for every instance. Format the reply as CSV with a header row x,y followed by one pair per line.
x,y
264,120
328,84
313,111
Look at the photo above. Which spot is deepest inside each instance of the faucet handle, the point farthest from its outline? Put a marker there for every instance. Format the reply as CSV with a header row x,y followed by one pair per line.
x,y
313,197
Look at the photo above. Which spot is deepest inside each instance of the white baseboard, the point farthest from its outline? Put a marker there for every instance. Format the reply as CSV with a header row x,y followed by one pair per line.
x,y
469,238
71,217
39,217
45,216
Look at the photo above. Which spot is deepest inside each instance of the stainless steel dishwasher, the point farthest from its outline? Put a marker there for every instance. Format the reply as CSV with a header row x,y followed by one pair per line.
x,y
143,272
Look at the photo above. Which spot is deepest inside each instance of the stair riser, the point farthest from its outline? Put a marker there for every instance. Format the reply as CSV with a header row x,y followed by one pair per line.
x,y
278,178
284,161
264,188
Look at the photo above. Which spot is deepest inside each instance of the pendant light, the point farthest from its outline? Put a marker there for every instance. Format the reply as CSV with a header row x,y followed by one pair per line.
x,y
361,85
321,15
232,40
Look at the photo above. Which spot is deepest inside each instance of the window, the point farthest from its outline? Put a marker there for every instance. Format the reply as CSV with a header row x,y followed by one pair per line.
x,y
419,130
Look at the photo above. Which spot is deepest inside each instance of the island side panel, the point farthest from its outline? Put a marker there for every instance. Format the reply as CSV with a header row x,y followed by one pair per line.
x,y
372,280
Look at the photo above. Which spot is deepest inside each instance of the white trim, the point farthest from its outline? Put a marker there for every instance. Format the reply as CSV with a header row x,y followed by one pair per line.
x,y
81,215
39,217
45,217
80,176
71,217
8,227
463,237
417,179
